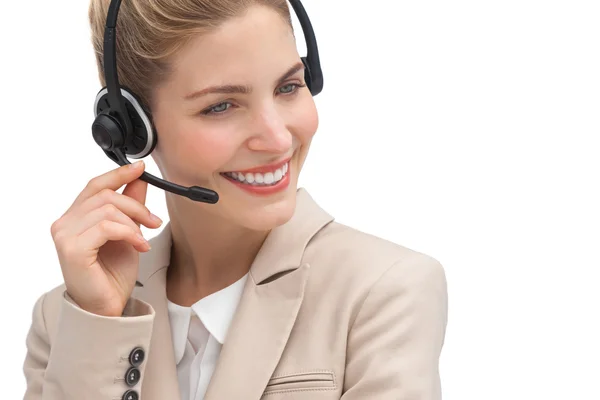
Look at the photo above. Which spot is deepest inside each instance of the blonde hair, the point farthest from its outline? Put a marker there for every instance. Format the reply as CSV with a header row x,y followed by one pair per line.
x,y
150,32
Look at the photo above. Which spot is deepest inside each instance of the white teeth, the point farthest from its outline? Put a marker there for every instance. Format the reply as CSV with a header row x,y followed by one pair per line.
x,y
258,179
269,178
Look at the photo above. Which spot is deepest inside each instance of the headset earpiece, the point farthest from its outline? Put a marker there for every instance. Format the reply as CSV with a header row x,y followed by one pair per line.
x,y
110,134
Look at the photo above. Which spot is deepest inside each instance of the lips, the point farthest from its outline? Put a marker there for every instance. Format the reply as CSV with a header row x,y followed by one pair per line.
x,y
265,168
261,184
258,178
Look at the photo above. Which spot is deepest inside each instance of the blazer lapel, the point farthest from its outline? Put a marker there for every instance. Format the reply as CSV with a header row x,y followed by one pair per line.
x,y
268,308
160,375
257,337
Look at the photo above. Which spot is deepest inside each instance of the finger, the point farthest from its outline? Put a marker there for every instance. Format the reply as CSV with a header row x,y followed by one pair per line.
x,y
112,180
137,191
107,212
138,212
102,232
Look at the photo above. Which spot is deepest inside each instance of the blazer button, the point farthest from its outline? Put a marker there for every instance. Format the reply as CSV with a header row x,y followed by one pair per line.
x,y
130,395
136,357
132,376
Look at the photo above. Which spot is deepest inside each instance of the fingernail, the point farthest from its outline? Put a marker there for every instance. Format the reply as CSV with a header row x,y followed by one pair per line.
x,y
156,219
136,164
143,239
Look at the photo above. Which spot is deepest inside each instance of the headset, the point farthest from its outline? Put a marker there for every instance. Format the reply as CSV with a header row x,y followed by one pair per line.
x,y
123,126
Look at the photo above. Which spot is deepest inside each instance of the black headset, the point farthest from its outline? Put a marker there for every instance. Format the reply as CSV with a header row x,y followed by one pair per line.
x,y
123,126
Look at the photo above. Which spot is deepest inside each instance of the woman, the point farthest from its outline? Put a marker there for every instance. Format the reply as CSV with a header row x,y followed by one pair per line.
x,y
261,295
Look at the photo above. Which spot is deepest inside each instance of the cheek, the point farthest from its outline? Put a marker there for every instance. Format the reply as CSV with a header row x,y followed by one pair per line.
x,y
200,149
306,120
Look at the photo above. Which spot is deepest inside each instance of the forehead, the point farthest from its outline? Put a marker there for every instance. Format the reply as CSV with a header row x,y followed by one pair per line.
x,y
256,45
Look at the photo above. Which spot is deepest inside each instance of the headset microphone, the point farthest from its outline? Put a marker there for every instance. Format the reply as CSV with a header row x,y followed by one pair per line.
x,y
123,127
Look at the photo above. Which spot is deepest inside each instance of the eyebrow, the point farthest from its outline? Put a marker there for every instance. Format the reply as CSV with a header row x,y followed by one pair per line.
x,y
243,89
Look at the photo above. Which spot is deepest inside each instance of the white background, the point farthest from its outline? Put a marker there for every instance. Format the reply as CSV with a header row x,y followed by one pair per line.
x,y
467,130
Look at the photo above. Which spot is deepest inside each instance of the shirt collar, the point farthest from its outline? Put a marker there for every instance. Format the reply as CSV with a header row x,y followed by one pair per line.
x,y
216,312
180,324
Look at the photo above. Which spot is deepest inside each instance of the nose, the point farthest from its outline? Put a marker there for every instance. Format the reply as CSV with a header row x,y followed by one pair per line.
x,y
270,134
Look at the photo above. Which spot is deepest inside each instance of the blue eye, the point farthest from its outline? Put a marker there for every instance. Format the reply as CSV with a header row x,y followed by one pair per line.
x,y
219,108
292,87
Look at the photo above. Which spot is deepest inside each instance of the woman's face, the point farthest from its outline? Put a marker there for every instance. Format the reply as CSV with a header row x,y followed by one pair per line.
x,y
235,116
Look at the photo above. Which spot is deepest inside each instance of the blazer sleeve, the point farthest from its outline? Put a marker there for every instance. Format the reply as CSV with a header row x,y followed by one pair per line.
x,y
86,356
396,340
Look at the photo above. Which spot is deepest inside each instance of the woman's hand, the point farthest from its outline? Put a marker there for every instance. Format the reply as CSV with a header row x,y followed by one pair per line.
x,y
98,240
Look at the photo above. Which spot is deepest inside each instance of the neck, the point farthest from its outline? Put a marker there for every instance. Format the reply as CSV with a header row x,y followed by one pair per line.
x,y
208,253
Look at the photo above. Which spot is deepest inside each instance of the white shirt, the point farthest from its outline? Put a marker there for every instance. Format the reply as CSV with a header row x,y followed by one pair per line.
x,y
198,333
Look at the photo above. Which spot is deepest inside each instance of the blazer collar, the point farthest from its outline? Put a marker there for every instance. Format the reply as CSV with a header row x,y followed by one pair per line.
x,y
282,250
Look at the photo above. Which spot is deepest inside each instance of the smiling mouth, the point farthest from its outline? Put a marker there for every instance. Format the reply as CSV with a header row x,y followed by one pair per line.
x,y
270,178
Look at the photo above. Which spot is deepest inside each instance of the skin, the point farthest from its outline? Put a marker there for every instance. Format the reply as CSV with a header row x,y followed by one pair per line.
x,y
215,244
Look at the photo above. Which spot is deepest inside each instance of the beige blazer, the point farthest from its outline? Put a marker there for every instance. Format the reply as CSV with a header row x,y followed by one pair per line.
x,y
327,312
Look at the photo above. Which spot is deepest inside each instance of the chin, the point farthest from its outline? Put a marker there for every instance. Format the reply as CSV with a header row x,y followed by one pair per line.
x,y
272,215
